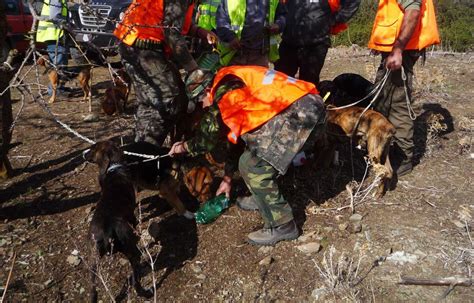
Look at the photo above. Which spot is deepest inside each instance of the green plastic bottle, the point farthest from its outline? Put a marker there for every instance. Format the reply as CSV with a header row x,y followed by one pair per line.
x,y
211,209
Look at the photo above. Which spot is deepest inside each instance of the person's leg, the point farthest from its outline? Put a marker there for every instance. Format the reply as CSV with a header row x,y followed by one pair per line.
x,y
393,103
260,178
311,60
288,62
158,88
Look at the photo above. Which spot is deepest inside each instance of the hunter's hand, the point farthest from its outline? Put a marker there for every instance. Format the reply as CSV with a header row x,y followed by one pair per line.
x,y
225,187
394,60
178,148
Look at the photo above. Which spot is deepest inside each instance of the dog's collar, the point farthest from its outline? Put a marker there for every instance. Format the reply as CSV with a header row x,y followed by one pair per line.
x,y
114,167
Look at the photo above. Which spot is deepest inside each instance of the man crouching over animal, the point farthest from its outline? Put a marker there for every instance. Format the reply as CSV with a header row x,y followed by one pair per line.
x,y
276,116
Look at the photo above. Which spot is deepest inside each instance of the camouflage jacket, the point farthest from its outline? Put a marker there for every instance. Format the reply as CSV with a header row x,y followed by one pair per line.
x,y
277,141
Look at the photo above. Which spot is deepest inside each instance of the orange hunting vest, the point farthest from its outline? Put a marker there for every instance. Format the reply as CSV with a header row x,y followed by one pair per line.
x,y
388,22
335,5
141,21
265,94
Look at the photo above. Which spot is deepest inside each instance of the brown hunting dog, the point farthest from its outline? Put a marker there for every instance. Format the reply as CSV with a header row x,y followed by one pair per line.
x,y
112,228
371,130
83,77
116,97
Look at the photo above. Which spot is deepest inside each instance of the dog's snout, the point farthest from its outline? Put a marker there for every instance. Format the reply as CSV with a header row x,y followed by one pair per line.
x,y
85,154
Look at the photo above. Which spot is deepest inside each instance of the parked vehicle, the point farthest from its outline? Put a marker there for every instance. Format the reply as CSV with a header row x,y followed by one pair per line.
x,y
94,22
19,22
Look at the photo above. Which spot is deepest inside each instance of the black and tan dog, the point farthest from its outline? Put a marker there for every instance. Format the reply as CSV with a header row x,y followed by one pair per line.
x,y
112,228
369,128
161,175
83,76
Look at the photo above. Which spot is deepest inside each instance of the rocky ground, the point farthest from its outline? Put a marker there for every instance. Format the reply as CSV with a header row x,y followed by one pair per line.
x,y
421,229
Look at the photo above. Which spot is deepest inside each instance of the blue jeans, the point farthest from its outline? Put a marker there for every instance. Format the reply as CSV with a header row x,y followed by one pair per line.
x,y
62,53
59,57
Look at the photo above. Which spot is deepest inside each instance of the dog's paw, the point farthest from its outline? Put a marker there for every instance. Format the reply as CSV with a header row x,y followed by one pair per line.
x,y
188,215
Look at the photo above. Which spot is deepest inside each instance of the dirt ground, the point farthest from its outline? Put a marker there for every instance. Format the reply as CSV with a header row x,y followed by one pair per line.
x,y
421,229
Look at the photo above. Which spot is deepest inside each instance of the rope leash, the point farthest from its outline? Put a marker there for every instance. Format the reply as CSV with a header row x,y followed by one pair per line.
x,y
411,112
376,90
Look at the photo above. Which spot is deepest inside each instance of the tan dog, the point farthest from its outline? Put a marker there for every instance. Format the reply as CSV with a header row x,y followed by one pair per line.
x,y
372,130
116,97
198,181
83,77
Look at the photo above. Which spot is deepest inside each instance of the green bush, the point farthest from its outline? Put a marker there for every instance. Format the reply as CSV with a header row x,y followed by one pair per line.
x,y
455,21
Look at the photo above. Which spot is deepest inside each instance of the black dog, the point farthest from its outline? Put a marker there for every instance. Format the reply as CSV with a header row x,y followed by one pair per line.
x,y
113,222
161,174
346,89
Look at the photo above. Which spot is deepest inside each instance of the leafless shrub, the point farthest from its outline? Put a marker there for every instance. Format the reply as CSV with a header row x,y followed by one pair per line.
x,y
340,275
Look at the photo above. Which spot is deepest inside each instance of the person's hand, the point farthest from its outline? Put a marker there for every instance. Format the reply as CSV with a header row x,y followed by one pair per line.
x,y
235,44
394,60
178,148
225,187
273,29
208,36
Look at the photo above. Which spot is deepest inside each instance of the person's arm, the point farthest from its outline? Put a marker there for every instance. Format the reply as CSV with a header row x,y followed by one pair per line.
x,y
410,22
347,11
207,135
223,28
280,17
174,14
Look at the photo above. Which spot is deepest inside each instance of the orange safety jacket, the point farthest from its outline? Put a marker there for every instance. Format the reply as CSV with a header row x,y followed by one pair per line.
x,y
265,94
143,19
335,5
388,23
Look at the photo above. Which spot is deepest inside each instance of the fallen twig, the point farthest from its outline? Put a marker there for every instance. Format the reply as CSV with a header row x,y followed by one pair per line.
x,y
8,279
455,281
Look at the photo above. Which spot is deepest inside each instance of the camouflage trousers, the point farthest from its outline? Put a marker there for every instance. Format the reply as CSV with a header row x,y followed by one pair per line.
x,y
260,178
392,102
159,90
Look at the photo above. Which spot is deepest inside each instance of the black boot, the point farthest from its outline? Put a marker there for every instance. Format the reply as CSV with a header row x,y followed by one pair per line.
x,y
247,203
271,236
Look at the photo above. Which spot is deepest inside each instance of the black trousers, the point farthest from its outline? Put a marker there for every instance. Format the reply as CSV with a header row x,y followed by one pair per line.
x,y
308,59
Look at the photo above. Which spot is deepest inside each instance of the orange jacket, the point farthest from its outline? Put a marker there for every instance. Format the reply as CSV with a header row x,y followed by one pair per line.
x,y
335,5
265,94
142,20
388,22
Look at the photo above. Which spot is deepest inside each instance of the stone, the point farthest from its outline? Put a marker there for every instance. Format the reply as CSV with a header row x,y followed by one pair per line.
x,y
92,117
319,293
73,260
343,226
356,227
355,218
266,261
308,248
201,277
196,268
401,257
265,250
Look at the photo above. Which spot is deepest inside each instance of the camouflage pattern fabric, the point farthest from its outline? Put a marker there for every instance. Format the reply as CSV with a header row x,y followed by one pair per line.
x,y
260,177
281,138
392,102
159,90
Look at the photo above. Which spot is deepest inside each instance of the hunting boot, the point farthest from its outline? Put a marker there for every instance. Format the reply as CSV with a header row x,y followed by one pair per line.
x,y
271,236
401,164
247,203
